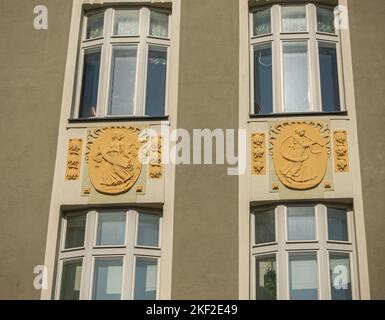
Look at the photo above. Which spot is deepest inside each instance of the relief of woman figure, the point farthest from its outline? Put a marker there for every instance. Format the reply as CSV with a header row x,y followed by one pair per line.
x,y
296,150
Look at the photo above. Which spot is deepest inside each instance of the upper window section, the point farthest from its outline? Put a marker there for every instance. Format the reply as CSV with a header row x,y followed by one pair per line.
x,y
123,63
295,60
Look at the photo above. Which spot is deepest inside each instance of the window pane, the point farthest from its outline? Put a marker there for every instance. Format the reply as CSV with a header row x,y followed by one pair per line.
x,y
145,278
300,223
111,228
108,279
148,230
295,71
122,87
264,226
126,23
329,76
266,277
95,25
303,276
76,227
263,79
337,224
341,286
156,81
159,24
71,280
294,19
90,84
325,20
262,22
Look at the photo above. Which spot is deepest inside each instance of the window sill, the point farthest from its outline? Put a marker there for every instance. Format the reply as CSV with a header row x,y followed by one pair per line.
x,y
118,119
298,114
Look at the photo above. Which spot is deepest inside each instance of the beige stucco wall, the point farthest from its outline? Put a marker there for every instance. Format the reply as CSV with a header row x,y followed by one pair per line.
x,y
367,29
31,83
205,258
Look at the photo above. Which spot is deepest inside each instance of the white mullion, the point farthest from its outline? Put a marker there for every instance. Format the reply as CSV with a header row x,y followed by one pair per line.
x,y
79,82
130,259
314,86
278,93
321,213
281,259
354,277
341,78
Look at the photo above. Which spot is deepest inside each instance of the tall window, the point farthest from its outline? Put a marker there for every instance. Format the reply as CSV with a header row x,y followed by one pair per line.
x,y
109,255
295,60
302,252
123,63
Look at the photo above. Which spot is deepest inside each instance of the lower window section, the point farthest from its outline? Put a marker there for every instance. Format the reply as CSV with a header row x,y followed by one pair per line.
x,y
309,255
115,256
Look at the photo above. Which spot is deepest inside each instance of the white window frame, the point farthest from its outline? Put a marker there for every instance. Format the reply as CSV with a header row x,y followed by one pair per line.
x,y
91,251
142,41
276,38
322,246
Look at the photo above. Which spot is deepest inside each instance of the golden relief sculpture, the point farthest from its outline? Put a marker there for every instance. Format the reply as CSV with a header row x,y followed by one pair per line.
x,y
155,158
258,157
300,152
73,159
112,157
341,158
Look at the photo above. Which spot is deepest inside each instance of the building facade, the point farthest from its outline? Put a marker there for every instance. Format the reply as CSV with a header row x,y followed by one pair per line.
x,y
115,183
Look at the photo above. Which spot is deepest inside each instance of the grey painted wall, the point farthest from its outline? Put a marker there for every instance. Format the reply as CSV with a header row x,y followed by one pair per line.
x,y
367,28
205,258
31,81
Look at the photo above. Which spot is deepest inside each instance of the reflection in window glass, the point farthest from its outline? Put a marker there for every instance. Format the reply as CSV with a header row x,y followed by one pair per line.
x,y
341,287
301,223
126,23
90,84
76,227
329,76
95,25
122,86
264,226
262,22
266,278
303,276
293,18
145,278
263,79
296,82
159,24
108,279
111,228
325,20
71,280
148,230
156,81
338,224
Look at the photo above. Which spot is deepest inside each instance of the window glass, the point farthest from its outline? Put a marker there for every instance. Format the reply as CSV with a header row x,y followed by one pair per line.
x,y
296,82
145,278
264,226
122,86
156,81
159,24
329,76
337,224
301,223
293,18
71,280
266,278
95,25
262,22
341,287
111,228
325,20
90,83
108,278
263,79
303,276
148,230
76,227
126,23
